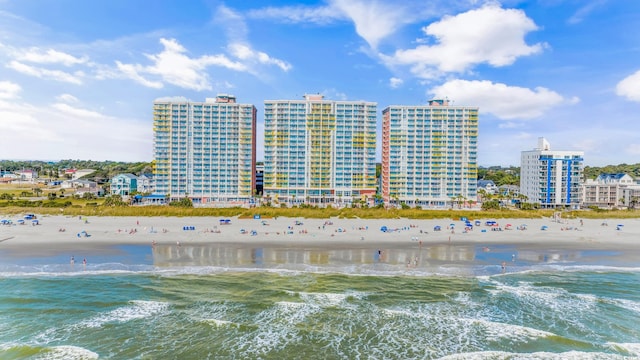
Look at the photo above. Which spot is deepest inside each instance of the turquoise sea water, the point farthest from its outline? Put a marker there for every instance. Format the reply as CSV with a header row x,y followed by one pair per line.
x,y
224,302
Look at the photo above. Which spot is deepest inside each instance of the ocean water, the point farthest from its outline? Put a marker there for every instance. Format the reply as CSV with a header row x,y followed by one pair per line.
x,y
413,302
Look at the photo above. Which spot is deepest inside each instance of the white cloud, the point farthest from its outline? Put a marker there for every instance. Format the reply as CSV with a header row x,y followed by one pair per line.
x,y
76,112
131,71
239,47
489,35
374,20
629,87
9,90
67,98
244,52
175,67
395,82
57,132
320,15
503,101
43,73
50,56
585,11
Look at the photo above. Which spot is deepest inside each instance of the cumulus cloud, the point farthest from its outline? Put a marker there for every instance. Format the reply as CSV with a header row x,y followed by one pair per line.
x,y
49,56
629,87
39,72
503,101
9,90
174,66
373,20
246,53
395,82
489,35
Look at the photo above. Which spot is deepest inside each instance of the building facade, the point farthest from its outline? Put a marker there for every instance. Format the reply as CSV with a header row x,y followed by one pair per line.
x,y
205,150
429,154
551,178
606,191
124,184
319,151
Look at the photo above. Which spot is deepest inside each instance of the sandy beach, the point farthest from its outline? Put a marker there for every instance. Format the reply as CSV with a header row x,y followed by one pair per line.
x,y
53,230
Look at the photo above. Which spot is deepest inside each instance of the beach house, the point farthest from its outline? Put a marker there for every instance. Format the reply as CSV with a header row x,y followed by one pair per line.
x,y
124,184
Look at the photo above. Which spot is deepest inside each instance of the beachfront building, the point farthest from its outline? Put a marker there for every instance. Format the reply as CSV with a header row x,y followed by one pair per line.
x,y
551,178
429,154
146,184
205,151
124,184
319,151
606,191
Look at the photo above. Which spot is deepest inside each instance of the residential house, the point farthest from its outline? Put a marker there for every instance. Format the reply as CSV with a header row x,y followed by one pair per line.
x,y
146,184
124,184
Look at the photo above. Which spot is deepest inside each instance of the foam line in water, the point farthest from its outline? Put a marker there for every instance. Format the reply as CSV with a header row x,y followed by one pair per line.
x,y
632,349
503,355
495,331
219,323
138,309
66,352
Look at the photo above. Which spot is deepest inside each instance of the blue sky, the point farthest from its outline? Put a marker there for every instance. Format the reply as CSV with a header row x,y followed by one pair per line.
x,y
78,78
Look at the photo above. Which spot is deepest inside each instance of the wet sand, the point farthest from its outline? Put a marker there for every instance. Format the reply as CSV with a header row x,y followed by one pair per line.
x,y
326,243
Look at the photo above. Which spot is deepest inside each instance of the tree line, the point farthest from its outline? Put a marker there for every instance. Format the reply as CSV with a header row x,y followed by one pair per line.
x,y
105,170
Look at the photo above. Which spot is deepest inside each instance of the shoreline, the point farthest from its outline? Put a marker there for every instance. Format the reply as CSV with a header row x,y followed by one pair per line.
x,y
175,240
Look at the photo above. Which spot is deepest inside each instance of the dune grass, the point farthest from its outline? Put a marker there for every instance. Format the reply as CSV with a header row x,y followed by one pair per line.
x,y
78,208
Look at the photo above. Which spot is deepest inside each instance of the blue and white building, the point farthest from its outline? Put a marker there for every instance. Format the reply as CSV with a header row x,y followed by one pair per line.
x,y
205,150
552,178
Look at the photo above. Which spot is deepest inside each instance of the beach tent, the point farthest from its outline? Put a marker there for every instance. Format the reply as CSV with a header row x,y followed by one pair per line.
x,y
544,227
384,229
437,228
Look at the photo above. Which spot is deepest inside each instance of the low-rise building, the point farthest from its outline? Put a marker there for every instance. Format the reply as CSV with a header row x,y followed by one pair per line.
x,y
488,186
607,191
124,184
146,184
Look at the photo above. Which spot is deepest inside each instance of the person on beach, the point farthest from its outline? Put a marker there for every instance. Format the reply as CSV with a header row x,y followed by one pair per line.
x,y
504,266
72,261
84,262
